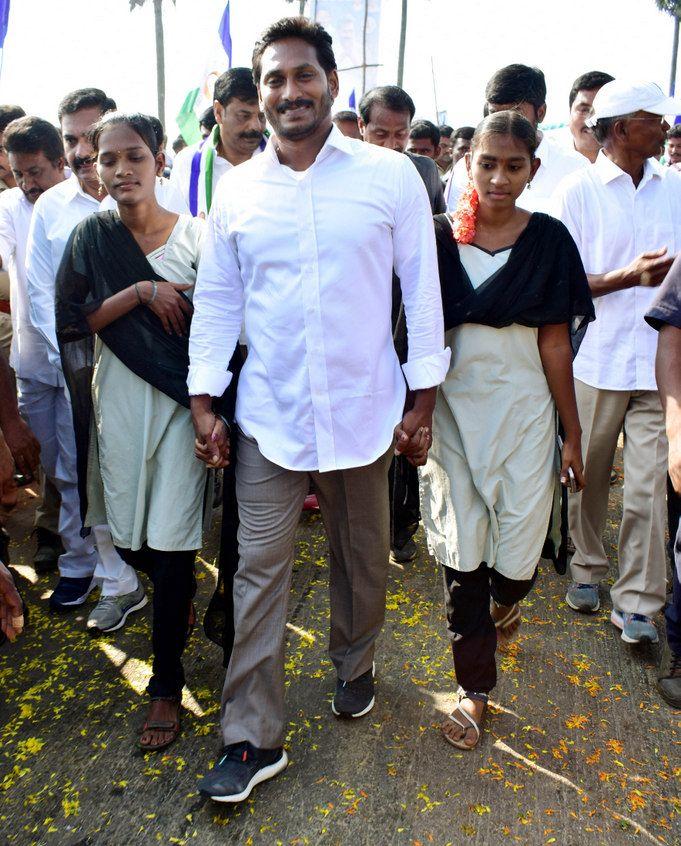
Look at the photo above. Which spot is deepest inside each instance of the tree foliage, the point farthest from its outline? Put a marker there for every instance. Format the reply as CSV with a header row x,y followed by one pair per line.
x,y
672,7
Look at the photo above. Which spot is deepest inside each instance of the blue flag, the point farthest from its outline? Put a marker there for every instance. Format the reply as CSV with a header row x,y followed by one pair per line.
x,y
352,102
223,30
4,21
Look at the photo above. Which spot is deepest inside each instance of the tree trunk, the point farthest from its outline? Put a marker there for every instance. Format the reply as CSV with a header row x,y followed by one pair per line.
x,y
160,61
403,41
675,52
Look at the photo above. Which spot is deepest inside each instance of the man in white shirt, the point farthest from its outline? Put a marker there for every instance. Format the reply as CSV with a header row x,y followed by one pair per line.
x,y
624,213
237,135
523,89
37,155
45,401
301,242
578,135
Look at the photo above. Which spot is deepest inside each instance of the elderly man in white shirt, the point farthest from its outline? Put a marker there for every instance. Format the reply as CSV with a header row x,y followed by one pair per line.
x,y
302,241
523,89
237,135
46,402
624,213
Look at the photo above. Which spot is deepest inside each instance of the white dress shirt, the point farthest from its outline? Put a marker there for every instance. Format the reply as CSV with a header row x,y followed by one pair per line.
x,y
556,163
307,258
57,212
612,222
28,357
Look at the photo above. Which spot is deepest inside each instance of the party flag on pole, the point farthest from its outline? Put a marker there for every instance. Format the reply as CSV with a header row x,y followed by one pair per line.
x,y
352,102
187,119
225,34
4,25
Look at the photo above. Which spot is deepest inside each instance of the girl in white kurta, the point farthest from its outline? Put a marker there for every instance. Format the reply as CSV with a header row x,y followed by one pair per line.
x,y
513,287
127,278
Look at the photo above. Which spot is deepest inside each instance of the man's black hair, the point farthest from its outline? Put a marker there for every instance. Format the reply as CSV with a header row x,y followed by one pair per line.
x,y
207,119
85,98
464,132
675,131
589,81
158,129
306,30
179,144
345,115
235,82
8,114
516,84
34,135
446,131
421,129
390,97
139,123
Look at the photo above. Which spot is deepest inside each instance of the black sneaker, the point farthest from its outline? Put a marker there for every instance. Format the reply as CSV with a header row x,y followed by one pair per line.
x,y
354,698
48,549
404,554
240,768
69,592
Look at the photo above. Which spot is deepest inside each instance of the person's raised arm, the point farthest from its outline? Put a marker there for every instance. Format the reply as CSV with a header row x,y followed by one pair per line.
x,y
555,351
415,262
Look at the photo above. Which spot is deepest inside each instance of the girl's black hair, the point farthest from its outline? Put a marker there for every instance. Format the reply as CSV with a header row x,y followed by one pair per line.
x,y
508,123
139,123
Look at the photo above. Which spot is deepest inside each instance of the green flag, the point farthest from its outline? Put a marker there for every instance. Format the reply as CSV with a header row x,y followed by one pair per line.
x,y
187,119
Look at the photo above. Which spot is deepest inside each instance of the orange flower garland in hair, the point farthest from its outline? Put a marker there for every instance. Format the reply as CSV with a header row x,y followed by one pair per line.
x,y
463,219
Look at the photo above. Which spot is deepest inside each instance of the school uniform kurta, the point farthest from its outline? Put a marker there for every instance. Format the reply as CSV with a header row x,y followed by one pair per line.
x,y
152,485
487,488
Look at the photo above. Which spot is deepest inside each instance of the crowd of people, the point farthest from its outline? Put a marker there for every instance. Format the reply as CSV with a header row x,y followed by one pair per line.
x,y
412,323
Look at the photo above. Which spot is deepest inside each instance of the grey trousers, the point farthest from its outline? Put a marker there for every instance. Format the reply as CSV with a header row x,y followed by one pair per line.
x,y
354,507
640,586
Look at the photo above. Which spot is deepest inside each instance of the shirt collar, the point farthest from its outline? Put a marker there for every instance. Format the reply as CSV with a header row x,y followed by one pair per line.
x,y
335,140
72,190
608,171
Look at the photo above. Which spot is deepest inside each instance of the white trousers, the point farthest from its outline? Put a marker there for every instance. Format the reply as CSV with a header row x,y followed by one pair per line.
x,y
47,410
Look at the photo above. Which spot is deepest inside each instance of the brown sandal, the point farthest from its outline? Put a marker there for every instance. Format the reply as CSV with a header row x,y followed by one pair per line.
x,y
469,724
173,727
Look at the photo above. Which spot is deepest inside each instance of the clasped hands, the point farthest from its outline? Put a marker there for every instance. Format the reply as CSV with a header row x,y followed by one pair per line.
x,y
413,436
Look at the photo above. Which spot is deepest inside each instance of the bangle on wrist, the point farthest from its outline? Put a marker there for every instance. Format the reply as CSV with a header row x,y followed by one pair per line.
x,y
137,291
154,285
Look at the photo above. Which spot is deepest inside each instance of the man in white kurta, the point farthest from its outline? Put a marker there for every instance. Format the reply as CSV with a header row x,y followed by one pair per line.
x,y
624,212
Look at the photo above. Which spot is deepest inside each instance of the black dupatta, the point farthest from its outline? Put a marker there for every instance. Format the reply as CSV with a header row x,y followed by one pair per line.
x,y
543,282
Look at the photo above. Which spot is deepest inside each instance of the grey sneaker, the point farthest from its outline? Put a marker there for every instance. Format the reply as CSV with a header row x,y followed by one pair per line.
x,y
635,628
583,598
111,612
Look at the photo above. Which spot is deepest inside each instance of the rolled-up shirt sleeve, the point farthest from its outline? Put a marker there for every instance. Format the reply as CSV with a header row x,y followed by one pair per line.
x,y
218,308
415,262
40,279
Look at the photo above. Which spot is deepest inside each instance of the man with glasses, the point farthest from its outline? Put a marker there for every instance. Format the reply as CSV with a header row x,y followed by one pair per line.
x,y
624,213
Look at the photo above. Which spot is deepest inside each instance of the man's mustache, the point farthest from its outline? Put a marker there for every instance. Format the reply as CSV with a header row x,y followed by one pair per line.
x,y
79,162
285,105
251,136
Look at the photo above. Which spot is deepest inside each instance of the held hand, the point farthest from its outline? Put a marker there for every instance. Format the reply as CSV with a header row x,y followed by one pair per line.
x,y
572,457
8,487
172,309
212,440
649,269
11,608
23,445
420,444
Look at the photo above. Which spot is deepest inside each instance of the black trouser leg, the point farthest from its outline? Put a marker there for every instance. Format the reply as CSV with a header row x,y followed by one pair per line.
x,y
405,514
470,625
172,574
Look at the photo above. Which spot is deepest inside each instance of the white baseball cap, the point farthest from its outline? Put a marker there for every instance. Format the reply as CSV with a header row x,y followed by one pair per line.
x,y
621,97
